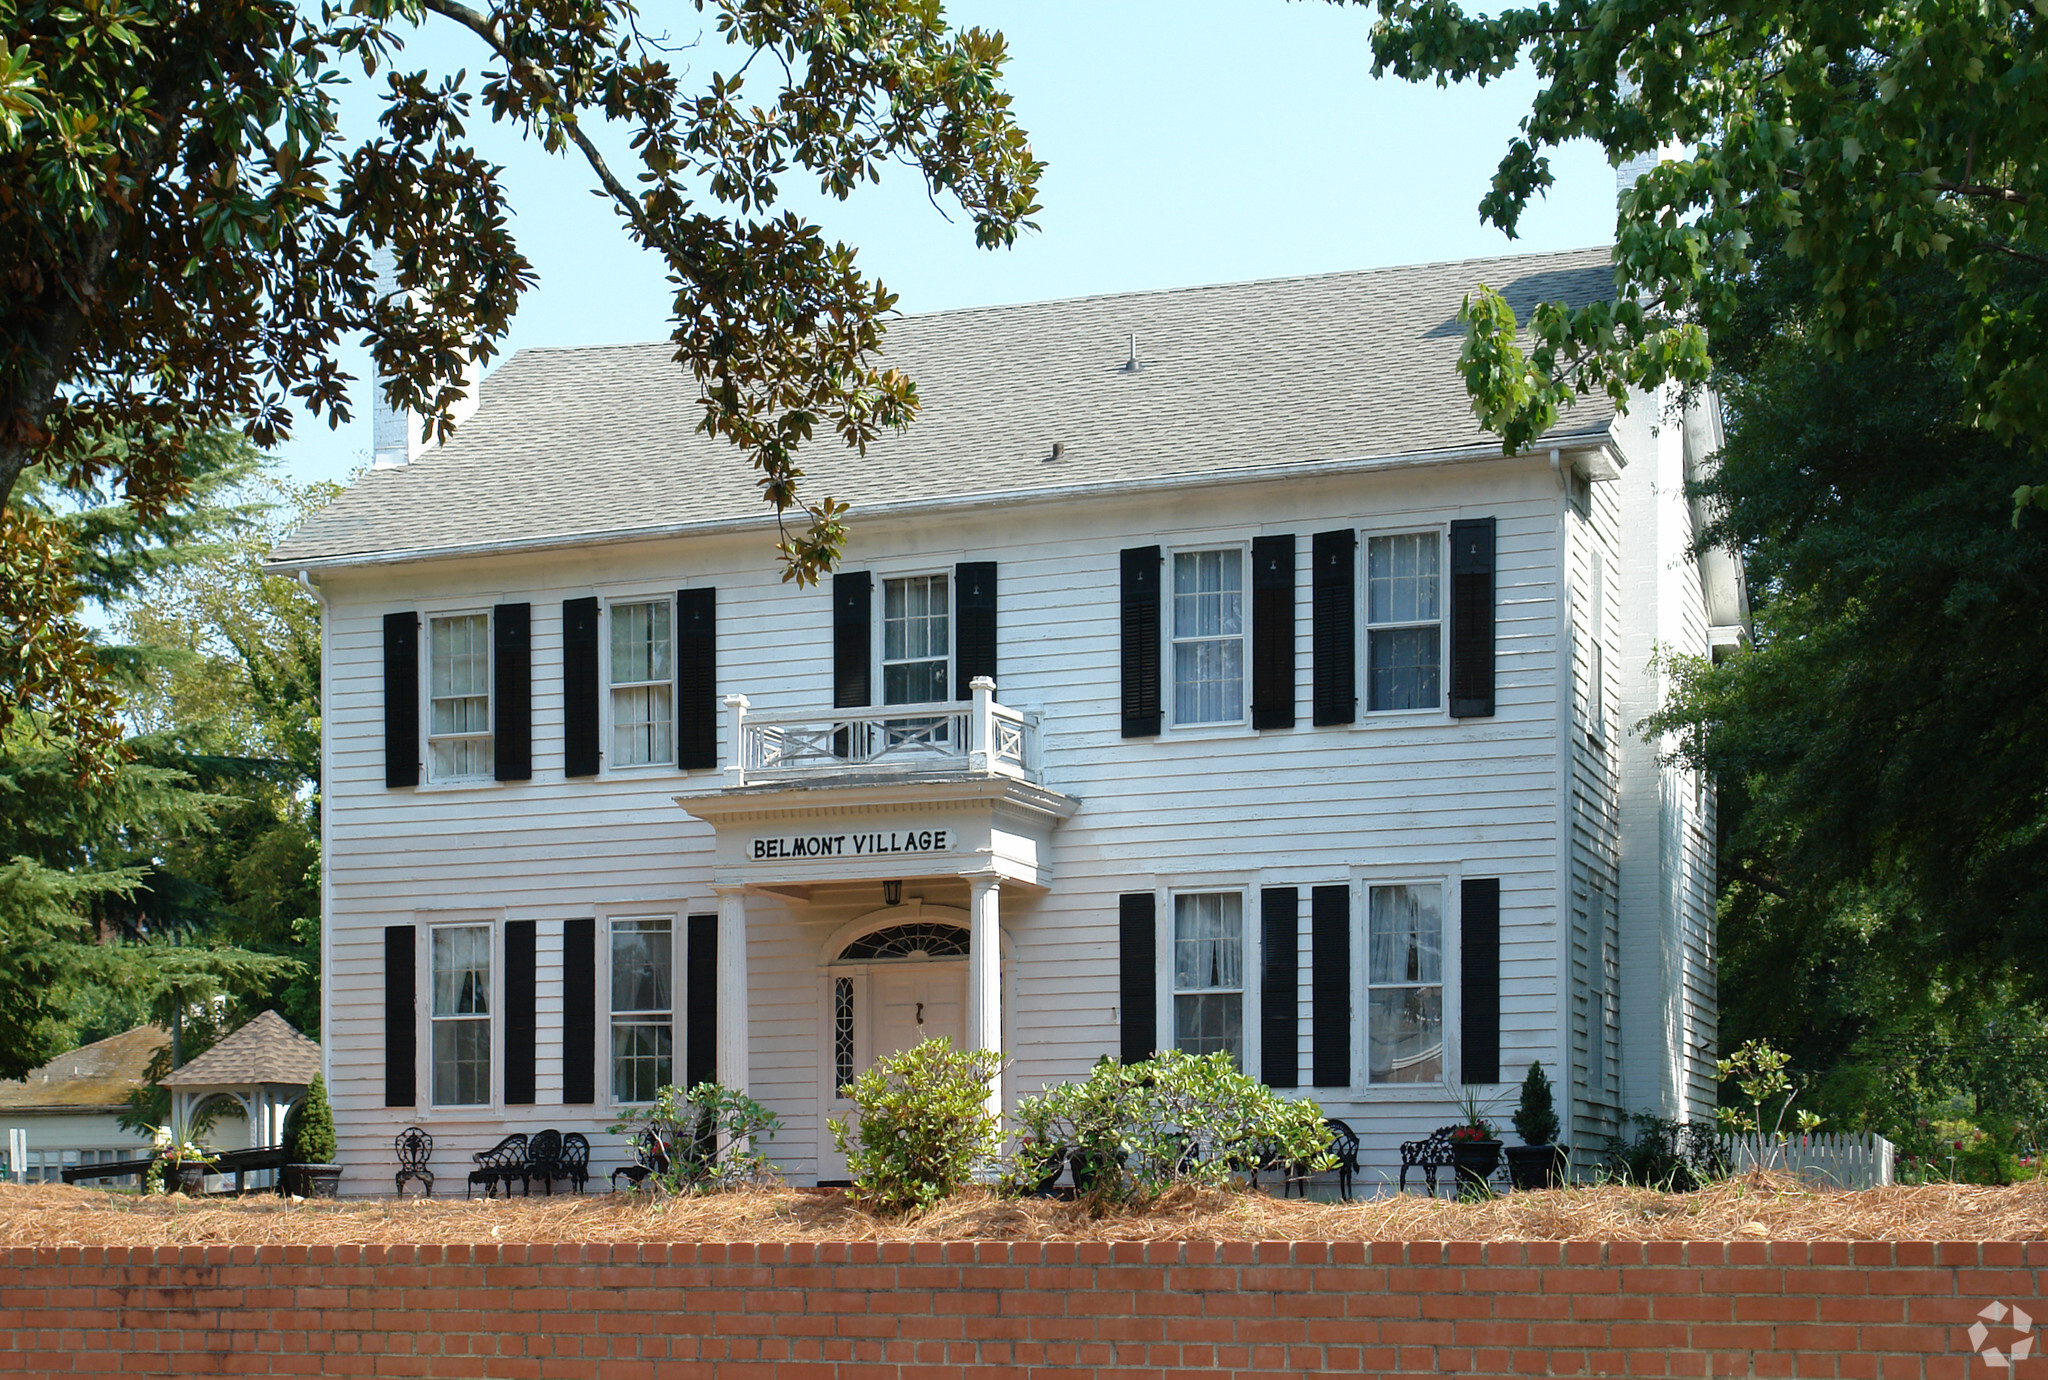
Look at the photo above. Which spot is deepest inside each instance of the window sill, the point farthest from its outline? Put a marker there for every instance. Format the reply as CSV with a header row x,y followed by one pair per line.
x,y
1382,718
1201,732
482,783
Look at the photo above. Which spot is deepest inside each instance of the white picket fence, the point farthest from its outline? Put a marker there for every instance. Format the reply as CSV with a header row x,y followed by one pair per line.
x,y
1833,1160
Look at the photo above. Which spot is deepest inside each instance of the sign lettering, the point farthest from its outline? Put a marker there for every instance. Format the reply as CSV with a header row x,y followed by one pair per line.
x,y
871,845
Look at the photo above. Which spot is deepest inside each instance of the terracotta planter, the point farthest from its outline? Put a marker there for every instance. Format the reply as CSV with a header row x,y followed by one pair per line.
x,y
314,1180
1474,1160
1537,1166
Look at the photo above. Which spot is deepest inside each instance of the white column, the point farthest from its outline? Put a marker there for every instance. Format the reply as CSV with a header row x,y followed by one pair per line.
x,y
981,740
736,707
985,978
732,988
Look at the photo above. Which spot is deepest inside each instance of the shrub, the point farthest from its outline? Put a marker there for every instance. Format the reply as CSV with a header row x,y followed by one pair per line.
x,y
924,1125
1676,1156
712,1135
309,1130
1138,1129
1536,1115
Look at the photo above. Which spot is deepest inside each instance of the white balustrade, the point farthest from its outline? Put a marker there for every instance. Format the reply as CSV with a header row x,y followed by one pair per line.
x,y
977,738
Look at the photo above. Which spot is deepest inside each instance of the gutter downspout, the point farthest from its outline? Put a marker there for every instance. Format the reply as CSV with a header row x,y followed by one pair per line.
x,y
326,855
1566,1075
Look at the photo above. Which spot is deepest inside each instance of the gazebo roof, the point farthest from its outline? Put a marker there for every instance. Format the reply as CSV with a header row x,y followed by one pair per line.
x,y
266,1050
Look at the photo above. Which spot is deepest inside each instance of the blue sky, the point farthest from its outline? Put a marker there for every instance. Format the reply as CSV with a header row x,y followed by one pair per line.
x,y
1190,142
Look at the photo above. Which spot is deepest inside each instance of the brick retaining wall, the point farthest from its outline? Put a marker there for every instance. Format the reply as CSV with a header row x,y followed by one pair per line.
x,y
897,1311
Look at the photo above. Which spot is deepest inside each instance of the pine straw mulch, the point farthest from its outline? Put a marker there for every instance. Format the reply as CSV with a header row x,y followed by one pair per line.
x,y
1751,1209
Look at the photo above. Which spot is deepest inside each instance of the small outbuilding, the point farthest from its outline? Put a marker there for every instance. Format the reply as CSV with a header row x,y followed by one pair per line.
x,y
264,1068
67,1112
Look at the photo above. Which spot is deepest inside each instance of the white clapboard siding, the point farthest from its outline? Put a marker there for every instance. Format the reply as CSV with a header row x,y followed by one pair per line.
x,y
1409,796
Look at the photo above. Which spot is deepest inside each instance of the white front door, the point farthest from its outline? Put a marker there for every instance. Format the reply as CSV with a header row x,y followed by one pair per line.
x,y
896,1005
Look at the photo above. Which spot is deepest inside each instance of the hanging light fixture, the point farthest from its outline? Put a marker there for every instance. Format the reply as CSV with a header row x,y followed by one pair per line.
x,y
892,893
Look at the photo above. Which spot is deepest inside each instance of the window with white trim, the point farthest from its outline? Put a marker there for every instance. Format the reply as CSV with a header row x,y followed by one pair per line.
x,y
917,651
643,1008
1404,642
1404,996
459,697
1208,973
1208,632
643,684
461,967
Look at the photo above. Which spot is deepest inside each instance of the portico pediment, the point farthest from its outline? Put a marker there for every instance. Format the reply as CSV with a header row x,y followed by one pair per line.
x,y
883,827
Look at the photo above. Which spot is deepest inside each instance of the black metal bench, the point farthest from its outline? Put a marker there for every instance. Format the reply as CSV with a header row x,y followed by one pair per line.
x,y
500,1164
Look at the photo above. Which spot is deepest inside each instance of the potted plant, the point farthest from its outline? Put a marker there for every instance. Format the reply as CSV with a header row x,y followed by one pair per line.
x,y
309,1143
1539,1161
179,1164
1475,1147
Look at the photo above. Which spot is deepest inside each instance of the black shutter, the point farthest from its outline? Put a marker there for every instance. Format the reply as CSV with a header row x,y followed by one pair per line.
x,y
521,1025
700,1002
696,678
1479,980
853,596
1279,990
1472,618
402,701
974,632
1273,631
512,674
579,1012
579,688
1141,641
401,1017
1329,940
1334,556
1138,975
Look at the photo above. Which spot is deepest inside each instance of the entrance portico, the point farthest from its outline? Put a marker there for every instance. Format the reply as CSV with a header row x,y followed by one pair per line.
x,y
863,832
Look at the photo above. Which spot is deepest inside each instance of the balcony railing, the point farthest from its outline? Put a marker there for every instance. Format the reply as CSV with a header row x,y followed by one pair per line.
x,y
978,738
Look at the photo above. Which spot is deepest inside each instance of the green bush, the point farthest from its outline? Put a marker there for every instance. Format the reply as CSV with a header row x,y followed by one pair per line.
x,y
924,1125
309,1130
1139,1129
713,1134
1536,1115
1676,1156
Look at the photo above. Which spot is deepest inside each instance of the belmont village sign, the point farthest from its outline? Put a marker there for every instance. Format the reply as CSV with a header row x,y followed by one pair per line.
x,y
851,845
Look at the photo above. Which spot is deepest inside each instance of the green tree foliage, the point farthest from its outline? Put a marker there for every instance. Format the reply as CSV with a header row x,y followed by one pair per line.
x,y
1865,139
186,234
309,1133
104,922
1880,749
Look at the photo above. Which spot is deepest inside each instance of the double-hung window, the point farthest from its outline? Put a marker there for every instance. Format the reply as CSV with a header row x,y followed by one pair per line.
x,y
643,1013
1208,637
461,956
917,648
459,697
1405,984
1404,621
642,685
1208,973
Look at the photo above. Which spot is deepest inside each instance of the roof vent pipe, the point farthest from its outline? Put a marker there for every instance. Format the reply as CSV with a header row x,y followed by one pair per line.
x,y
1131,365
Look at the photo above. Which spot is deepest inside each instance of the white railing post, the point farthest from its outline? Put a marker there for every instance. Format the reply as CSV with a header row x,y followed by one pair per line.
x,y
736,707
981,733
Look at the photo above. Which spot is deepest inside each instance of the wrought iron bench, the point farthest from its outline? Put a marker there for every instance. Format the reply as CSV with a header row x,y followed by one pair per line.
x,y
500,1164
1431,1153
550,1155
415,1147
651,1156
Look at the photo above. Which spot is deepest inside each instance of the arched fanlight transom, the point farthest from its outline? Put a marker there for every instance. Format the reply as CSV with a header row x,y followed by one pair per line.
x,y
918,939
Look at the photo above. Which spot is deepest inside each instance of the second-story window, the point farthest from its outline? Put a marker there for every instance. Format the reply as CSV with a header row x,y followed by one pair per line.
x,y
1208,637
916,639
1404,621
642,685
459,696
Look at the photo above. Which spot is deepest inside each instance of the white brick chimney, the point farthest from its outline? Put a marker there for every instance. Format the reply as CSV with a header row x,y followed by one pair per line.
x,y
399,437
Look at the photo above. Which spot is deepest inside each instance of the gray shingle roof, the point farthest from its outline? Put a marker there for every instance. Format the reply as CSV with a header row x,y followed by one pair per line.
x,y
582,443
99,1075
266,1050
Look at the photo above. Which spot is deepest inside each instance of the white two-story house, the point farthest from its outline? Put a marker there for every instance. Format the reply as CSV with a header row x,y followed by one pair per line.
x,y
1198,675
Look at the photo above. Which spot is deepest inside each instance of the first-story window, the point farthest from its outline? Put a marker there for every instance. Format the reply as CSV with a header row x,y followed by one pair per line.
x,y
1208,637
643,1013
642,685
462,1015
1208,973
1404,621
459,697
1405,984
